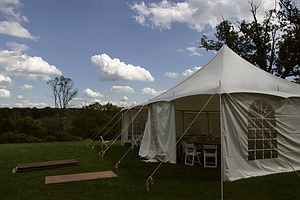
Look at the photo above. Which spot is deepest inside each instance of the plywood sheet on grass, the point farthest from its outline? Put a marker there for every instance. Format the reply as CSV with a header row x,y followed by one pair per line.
x,y
45,165
79,177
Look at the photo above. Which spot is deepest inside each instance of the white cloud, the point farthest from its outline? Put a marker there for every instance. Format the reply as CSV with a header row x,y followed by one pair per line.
x,y
124,98
21,65
5,79
189,72
12,26
161,15
77,99
15,29
151,91
171,74
8,8
16,47
197,14
25,103
20,97
120,103
116,103
90,93
193,51
26,87
120,88
4,93
115,70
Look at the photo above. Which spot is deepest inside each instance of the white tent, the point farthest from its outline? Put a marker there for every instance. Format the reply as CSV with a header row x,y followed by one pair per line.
x,y
256,115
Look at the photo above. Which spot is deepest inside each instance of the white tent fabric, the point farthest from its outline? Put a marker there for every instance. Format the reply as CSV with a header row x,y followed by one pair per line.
x,y
159,139
259,115
227,72
236,130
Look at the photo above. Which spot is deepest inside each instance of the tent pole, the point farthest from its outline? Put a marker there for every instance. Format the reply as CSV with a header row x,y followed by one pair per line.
x,y
132,130
222,145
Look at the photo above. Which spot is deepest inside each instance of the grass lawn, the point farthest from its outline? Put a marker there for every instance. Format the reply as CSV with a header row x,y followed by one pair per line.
x,y
170,181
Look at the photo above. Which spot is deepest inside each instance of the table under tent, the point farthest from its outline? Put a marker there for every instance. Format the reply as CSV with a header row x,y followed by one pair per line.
x,y
255,114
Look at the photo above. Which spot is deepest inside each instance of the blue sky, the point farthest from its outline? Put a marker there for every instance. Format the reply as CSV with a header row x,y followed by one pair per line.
x,y
122,52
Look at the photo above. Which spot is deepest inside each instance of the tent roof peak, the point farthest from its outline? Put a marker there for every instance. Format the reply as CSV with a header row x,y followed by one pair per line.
x,y
227,72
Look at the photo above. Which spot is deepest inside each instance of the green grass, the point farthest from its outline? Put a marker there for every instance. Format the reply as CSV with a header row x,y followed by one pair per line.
x,y
170,181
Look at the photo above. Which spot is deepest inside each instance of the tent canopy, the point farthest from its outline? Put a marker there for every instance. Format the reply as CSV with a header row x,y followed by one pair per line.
x,y
228,73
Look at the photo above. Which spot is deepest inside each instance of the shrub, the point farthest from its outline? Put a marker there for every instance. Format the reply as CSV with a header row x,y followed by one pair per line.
x,y
11,137
32,139
49,138
65,137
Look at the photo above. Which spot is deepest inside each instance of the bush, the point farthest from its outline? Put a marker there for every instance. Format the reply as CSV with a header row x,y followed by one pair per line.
x,y
65,137
32,139
49,138
11,137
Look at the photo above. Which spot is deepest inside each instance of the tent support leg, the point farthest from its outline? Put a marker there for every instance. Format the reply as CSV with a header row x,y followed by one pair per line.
x,y
222,158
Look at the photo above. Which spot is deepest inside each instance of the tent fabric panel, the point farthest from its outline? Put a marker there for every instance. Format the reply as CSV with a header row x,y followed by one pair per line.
x,y
197,102
159,140
234,114
289,127
125,123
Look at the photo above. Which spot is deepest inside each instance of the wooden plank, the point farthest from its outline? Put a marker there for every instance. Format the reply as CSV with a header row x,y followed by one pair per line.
x,y
45,165
79,177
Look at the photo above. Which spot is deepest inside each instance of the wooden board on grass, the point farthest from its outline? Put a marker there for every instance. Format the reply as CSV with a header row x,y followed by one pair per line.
x,y
45,165
79,177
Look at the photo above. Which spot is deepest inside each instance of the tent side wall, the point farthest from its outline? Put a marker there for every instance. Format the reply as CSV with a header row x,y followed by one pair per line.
x,y
260,135
133,125
125,121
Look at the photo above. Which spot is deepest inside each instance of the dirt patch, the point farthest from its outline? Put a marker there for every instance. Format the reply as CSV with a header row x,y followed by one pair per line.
x,y
6,150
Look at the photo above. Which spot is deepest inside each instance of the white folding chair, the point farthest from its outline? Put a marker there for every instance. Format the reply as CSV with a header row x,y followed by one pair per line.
x,y
190,154
103,142
210,155
182,149
136,141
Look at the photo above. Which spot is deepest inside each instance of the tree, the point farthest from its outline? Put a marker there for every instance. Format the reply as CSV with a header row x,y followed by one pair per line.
x,y
63,92
262,38
29,126
225,34
288,61
92,118
261,43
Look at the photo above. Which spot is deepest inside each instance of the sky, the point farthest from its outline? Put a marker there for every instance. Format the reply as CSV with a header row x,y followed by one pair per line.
x,y
122,52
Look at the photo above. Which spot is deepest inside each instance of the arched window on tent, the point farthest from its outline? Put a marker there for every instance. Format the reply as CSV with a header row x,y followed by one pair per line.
x,y
262,133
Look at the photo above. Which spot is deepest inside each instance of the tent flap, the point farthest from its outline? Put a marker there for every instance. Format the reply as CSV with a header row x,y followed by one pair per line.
x,y
159,140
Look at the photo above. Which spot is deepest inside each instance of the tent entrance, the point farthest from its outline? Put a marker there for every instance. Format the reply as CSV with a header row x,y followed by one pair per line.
x,y
207,124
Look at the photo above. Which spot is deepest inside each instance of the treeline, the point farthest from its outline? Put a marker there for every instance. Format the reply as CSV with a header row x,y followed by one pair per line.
x,y
21,125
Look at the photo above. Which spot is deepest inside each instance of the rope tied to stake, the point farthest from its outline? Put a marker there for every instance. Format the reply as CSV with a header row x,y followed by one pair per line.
x,y
149,181
117,165
102,153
